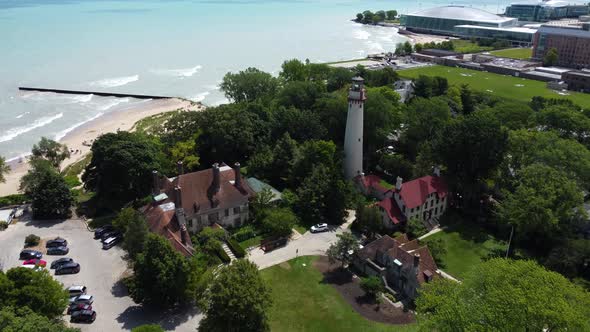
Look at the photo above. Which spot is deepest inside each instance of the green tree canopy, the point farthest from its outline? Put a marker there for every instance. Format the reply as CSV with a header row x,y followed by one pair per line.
x,y
238,300
279,221
148,328
372,285
249,85
343,249
565,120
51,151
133,226
4,169
511,114
24,319
50,195
293,70
369,219
551,58
504,295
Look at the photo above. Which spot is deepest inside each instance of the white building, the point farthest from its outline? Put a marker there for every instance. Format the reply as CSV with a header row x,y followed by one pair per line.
x,y
353,137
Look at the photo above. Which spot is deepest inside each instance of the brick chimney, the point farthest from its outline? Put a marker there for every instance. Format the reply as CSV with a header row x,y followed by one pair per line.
x,y
416,260
216,180
178,197
398,183
155,183
180,167
238,176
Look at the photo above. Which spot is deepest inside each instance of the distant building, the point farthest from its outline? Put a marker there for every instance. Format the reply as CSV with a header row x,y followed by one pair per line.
x,y
578,80
402,264
189,202
353,137
571,42
425,198
515,35
547,10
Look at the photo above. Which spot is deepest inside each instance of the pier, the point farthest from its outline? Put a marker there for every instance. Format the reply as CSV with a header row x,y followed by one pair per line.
x,y
96,93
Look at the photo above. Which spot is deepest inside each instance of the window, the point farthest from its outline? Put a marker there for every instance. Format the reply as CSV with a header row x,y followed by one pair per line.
x,y
190,223
199,219
227,212
237,220
213,217
237,210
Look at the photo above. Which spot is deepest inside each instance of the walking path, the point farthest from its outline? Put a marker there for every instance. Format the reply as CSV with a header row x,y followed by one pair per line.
x,y
434,231
307,244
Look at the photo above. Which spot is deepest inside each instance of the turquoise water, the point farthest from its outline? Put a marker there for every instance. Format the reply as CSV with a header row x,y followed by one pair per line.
x,y
176,48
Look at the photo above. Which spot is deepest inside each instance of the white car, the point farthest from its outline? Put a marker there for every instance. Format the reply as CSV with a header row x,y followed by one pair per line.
x,y
84,299
319,228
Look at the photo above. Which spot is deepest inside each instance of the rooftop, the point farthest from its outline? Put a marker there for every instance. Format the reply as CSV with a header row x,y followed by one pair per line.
x,y
552,3
507,29
415,192
461,13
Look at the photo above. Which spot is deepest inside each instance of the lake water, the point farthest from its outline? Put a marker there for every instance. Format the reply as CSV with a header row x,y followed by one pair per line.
x,y
176,48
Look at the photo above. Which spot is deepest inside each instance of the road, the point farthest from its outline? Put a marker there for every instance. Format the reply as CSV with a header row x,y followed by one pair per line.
x,y
101,272
307,244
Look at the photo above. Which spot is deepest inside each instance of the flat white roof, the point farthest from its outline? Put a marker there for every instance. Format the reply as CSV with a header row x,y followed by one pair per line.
x,y
6,215
508,29
461,13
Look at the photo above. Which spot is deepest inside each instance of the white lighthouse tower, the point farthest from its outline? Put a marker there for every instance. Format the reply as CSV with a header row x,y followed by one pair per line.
x,y
353,138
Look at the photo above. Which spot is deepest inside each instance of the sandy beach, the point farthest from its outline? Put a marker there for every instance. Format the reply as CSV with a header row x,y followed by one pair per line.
x,y
418,38
109,123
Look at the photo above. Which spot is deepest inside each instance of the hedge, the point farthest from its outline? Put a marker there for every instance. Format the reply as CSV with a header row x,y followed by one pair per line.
x,y
15,199
222,254
236,248
245,233
32,240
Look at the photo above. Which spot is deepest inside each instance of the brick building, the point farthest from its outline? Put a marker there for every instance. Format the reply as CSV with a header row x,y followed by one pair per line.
x,y
571,42
578,80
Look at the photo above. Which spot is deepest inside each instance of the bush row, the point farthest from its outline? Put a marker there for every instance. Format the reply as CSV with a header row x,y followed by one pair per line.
x,y
236,248
244,233
222,254
15,199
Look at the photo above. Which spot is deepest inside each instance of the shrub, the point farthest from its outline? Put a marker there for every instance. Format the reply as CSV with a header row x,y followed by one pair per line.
x,y
245,233
3,225
222,254
15,199
32,240
72,181
372,285
236,248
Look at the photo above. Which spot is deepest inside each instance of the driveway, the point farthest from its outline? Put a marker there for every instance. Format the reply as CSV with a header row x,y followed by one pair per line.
x,y
307,244
100,271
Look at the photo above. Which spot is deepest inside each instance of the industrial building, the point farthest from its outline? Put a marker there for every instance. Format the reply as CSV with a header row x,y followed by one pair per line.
x,y
547,10
572,43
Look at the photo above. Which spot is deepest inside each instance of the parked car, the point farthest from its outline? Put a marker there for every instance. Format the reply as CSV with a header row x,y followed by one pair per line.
x,y
98,233
68,268
109,235
110,242
61,261
83,316
78,307
76,291
58,251
30,254
84,299
57,242
319,228
35,261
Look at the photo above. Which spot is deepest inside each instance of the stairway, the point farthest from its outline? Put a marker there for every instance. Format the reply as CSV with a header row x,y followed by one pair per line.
x,y
431,223
231,255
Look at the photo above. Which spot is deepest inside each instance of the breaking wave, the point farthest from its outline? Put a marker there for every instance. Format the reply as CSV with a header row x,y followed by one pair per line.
x,y
115,82
182,72
64,132
17,131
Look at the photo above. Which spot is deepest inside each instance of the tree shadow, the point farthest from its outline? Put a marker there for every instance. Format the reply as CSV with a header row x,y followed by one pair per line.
x,y
366,299
337,276
36,223
168,319
119,289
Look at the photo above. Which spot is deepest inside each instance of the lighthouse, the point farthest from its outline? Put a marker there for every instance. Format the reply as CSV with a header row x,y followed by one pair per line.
x,y
353,137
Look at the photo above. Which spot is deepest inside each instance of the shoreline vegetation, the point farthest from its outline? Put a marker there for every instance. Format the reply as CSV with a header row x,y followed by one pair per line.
x,y
381,16
82,137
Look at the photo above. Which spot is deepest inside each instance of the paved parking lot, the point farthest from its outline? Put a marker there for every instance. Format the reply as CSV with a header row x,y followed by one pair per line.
x,y
100,271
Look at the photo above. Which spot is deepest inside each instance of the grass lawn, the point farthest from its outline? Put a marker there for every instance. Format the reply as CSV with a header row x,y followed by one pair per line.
x,y
510,87
466,46
255,241
514,53
467,245
302,302
386,184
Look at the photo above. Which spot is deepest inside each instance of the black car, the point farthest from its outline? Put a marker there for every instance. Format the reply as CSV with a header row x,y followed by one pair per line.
x,y
83,316
59,262
68,268
58,251
109,235
57,242
78,307
99,232
30,254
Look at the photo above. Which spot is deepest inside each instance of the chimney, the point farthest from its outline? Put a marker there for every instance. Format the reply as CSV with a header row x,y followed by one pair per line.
x,y
155,183
416,260
180,167
436,170
238,176
216,180
178,197
398,183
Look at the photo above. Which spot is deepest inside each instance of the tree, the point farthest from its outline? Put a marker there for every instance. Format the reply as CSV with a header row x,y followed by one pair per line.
x,y
301,125
513,115
4,169
381,117
261,202
367,17
372,286
135,235
24,319
438,249
249,85
551,58
567,121
161,275
408,47
544,201
343,249
369,219
50,195
504,295
416,228
467,99
391,14
338,78
359,17
186,151
148,328
423,86
279,221
37,290
121,167
293,70
51,151
381,15
238,300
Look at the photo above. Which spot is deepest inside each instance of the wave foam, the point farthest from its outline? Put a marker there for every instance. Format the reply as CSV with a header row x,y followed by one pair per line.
x,y
81,98
112,103
199,97
115,82
21,115
182,72
64,132
362,34
14,132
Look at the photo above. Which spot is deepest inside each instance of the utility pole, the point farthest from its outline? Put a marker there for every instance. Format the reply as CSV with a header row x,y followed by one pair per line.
x,y
509,240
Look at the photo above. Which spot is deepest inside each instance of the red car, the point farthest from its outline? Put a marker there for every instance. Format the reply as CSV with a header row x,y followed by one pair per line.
x,y
37,262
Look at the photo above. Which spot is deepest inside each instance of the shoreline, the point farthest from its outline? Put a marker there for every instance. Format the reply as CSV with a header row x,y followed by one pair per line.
x,y
82,137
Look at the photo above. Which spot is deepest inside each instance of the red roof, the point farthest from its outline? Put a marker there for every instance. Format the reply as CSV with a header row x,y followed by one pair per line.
x,y
415,192
393,211
165,224
373,181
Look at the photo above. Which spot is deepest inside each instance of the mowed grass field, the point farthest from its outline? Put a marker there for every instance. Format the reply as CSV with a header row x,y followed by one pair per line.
x,y
303,302
510,87
514,53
